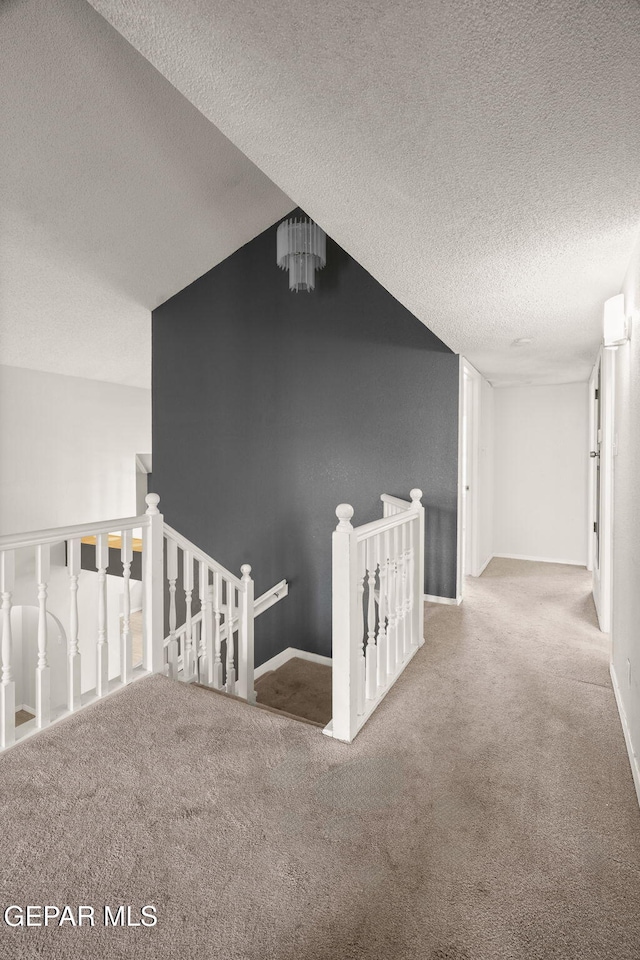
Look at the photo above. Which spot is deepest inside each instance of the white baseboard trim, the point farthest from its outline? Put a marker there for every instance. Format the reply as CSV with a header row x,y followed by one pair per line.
x,y
429,598
517,556
484,565
281,658
633,759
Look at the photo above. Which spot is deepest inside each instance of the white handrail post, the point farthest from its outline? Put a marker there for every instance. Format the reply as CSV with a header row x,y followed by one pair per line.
x,y
418,568
74,548
7,684
344,626
246,637
153,587
172,576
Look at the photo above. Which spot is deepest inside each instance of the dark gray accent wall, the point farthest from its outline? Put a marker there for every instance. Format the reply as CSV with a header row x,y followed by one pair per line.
x,y
270,408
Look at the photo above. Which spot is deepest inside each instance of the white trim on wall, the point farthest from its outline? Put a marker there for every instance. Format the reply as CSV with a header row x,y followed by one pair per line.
x,y
285,655
517,556
455,601
633,759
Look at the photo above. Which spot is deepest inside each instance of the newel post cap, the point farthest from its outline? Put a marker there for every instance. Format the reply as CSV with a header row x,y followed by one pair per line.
x,y
344,512
152,500
245,570
416,495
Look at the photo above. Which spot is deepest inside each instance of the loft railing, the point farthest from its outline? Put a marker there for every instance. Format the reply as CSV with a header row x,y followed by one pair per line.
x,y
377,620
205,643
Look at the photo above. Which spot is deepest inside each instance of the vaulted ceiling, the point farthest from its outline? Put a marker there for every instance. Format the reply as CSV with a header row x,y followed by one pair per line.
x,y
479,158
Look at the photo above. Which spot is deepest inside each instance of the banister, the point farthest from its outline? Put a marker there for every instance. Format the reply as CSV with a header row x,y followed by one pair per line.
x,y
16,541
395,501
201,556
385,523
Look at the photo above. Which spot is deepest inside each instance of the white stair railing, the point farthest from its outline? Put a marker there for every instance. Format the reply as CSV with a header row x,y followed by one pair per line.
x,y
203,647
377,617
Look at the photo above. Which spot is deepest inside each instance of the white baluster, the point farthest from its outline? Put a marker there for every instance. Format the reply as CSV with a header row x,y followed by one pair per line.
x,y
74,548
392,622
231,670
404,530
102,645
43,678
188,655
382,631
371,656
126,650
204,608
7,684
362,663
172,576
217,678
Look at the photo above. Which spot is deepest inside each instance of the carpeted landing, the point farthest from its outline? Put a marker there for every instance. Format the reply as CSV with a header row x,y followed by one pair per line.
x,y
486,811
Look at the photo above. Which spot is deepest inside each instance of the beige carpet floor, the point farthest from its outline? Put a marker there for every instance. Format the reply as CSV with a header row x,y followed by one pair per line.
x,y
299,687
486,811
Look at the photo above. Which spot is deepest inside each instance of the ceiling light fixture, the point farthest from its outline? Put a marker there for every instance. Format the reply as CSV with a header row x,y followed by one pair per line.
x,y
616,327
301,248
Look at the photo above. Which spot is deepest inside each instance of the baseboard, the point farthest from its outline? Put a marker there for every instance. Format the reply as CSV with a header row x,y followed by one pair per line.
x,y
633,759
429,598
517,556
284,656
484,565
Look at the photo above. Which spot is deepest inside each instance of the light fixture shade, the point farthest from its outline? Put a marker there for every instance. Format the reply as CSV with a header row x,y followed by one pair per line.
x,y
301,248
615,321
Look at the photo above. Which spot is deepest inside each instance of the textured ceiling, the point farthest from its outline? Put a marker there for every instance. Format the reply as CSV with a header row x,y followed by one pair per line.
x,y
479,158
115,193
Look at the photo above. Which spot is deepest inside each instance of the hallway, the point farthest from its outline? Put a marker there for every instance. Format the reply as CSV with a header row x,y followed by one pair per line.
x,y
486,811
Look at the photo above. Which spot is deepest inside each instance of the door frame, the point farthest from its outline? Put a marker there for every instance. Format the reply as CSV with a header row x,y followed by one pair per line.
x,y
602,573
469,389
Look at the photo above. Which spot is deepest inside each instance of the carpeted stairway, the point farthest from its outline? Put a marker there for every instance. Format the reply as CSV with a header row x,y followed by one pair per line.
x,y
486,811
300,688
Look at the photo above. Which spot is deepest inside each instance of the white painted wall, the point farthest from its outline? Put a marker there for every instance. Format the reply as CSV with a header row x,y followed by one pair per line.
x,y
625,629
541,472
67,449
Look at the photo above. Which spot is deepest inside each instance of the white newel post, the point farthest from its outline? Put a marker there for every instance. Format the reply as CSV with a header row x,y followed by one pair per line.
x,y
43,678
418,569
153,596
102,645
246,637
7,685
344,626
74,548
126,652
172,576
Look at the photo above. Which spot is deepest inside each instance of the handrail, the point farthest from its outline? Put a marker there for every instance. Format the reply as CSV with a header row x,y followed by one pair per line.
x,y
16,541
201,556
262,603
395,501
383,524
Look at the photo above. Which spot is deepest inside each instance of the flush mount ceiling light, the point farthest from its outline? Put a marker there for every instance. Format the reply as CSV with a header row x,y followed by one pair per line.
x,y
617,329
301,248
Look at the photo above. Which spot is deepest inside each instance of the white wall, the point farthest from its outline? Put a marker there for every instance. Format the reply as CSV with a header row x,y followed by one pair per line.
x,y
541,472
625,628
67,449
